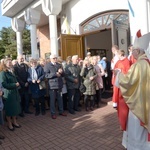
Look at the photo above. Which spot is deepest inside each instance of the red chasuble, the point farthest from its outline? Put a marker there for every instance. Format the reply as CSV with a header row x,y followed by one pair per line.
x,y
132,60
122,107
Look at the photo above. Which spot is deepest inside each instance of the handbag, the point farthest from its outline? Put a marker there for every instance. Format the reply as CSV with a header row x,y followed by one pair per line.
x,y
82,88
42,85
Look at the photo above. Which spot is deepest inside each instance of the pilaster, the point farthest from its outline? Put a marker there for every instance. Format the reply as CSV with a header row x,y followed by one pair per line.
x,y
52,8
18,26
32,18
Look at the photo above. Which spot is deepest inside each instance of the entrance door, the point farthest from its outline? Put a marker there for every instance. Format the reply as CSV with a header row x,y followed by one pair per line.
x,y
71,45
120,35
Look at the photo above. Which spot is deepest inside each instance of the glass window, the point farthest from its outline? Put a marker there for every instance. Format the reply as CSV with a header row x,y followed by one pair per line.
x,y
89,27
112,16
94,23
104,20
100,20
123,18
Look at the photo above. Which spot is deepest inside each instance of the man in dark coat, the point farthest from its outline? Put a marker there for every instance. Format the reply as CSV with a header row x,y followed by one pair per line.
x,y
54,73
73,79
21,72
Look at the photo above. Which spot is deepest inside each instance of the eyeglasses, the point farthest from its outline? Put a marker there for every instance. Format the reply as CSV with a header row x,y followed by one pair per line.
x,y
55,58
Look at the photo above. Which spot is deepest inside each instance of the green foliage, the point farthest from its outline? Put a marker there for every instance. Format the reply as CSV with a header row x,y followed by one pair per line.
x,y
26,42
8,44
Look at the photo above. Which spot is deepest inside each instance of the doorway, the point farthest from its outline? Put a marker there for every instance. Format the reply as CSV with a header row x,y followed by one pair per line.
x,y
98,34
105,29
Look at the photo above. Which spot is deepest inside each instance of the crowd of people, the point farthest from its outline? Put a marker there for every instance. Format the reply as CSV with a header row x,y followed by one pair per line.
x,y
47,82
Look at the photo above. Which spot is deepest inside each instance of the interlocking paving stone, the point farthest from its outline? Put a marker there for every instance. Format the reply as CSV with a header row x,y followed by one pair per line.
x,y
93,130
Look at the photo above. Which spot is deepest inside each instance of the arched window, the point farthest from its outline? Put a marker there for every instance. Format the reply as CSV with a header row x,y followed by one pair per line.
x,y
103,20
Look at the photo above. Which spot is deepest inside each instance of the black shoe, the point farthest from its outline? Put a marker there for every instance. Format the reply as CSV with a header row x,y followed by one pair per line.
x,y
91,108
16,126
28,112
87,109
11,129
63,114
77,109
98,106
2,137
37,113
72,112
21,115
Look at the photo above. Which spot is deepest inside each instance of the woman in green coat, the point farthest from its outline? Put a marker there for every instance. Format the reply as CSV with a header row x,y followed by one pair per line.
x,y
11,95
88,73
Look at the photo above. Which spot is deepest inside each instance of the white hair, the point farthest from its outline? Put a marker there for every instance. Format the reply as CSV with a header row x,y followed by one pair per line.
x,y
74,57
53,56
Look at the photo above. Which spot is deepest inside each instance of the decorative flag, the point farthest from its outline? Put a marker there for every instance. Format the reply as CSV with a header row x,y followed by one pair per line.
x,y
130,8
67,27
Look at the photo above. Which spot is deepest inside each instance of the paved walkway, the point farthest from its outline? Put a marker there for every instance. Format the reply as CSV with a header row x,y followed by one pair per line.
x,y
94,130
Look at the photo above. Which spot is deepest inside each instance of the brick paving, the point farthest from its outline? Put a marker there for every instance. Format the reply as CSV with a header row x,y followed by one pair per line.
x,y
93,130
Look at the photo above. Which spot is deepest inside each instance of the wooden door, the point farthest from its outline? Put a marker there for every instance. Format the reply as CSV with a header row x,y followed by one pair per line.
x,y
120,35
71,45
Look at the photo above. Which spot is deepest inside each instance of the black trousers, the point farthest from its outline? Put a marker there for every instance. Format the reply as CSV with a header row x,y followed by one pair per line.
x,y
73,99
98,97
37,104
25,99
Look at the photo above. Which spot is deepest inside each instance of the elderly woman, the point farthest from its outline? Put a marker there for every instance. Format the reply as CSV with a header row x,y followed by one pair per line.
x,y
35,78
43,62
88,73
11,95
99,81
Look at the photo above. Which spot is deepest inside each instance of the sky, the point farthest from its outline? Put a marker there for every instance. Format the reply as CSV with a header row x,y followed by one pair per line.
x,y
4,21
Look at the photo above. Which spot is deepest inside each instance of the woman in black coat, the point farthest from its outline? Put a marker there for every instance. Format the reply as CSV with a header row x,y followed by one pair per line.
x,y
36,79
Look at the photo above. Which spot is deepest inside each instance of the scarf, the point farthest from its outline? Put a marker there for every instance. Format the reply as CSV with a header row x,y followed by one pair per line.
x,y
34,73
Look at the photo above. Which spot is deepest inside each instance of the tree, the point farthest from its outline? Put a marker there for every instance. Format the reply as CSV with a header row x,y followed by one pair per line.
x,y
8,44
26,42
2,50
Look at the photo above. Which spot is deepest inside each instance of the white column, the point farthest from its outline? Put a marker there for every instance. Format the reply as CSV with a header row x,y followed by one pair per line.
x,y
34,51
32,17
18,26
19,43
52,8
53,34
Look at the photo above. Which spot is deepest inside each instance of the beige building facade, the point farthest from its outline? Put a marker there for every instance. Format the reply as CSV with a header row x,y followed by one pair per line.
x,y
68,27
